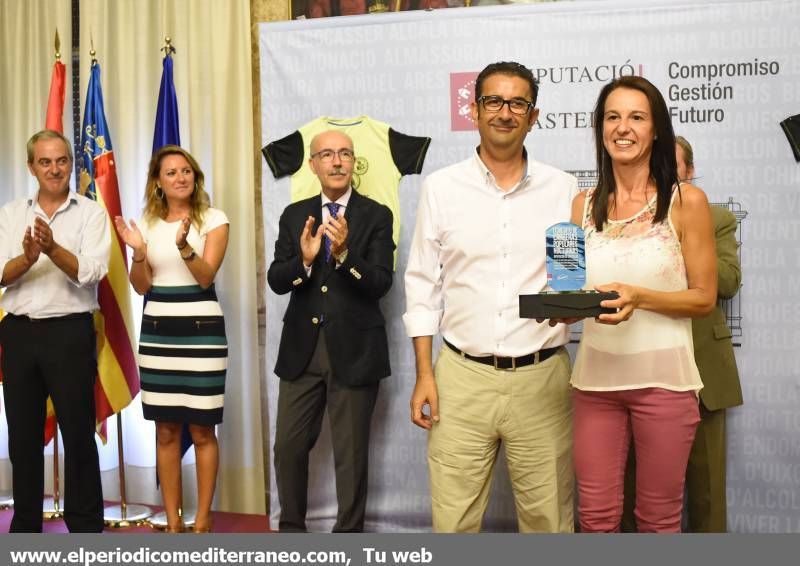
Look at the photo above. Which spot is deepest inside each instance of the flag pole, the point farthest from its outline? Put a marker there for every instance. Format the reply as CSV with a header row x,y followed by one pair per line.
x,y
52,507
124,515
159,520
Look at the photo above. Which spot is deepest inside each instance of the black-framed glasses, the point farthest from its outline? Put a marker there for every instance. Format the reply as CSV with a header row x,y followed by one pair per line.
x,y
495,104
326,155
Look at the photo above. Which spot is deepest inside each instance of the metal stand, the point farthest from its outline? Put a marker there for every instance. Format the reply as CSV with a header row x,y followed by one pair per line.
x,y
53,507
124,515
159,520
6,498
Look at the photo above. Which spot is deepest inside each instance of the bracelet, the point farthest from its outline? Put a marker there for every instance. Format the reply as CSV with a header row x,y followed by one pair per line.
x,y
183,246
144,257
189,257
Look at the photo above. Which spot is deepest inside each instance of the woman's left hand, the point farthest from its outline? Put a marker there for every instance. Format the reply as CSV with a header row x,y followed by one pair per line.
x,y
627,302
183,231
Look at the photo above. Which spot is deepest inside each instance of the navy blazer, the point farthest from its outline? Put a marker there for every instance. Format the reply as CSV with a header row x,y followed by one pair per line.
x,y
345,300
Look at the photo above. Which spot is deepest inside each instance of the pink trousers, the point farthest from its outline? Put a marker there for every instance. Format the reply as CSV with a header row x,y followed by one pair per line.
x,y
662,424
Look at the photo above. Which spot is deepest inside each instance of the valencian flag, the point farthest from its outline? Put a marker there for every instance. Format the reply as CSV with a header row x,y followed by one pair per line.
x,y
117,374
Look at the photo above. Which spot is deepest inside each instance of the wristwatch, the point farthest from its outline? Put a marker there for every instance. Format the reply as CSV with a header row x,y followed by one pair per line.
x,y
341,258
189,257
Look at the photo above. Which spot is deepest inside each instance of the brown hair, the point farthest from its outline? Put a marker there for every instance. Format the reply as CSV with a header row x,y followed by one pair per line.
x,y
155,205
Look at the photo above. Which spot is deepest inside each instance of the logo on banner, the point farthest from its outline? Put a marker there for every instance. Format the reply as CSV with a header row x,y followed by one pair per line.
x,y
462,93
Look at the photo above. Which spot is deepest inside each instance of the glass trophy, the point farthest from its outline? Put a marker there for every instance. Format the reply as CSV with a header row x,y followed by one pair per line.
x,y
566,277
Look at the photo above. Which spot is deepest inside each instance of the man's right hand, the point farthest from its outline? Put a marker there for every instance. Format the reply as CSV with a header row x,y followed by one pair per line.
x,y
30,248
554,321
425,393
310,243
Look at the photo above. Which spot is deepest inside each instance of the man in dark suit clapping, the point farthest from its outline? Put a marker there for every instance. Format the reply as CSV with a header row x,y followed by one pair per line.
x,y
334,254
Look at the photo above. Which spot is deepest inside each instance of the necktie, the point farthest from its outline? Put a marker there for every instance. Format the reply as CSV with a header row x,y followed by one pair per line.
x,y
334,210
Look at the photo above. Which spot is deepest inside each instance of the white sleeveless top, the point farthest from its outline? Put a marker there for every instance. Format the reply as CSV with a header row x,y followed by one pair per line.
x,y
162,254
649,349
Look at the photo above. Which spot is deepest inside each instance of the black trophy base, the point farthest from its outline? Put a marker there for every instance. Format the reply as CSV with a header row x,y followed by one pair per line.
x,y
574,304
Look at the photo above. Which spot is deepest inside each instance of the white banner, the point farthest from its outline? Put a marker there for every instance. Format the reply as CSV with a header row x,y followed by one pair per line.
x,y
730,72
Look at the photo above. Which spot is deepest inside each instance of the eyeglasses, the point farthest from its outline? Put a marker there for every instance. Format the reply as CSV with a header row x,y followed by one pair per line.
x,y
326,155
495,104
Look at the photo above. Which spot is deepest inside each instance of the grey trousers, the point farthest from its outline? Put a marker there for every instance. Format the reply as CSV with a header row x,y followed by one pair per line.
x,y
301,406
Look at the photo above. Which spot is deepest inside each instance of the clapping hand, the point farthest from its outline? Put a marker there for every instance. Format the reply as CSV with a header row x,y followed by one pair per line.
x,y
43,236
30,248
336,230
130,234
310,241
182,233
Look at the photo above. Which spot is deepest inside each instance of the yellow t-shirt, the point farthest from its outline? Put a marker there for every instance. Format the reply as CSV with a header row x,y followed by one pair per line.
x,y
383,156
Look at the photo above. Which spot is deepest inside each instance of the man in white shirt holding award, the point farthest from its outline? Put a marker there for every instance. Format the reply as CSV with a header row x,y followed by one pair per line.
x,y
479,243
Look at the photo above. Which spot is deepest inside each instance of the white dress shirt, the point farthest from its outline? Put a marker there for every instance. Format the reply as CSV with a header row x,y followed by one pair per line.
x,y
81,226
476,248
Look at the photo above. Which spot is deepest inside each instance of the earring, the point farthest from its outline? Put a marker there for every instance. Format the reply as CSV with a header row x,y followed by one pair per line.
x,y
159,193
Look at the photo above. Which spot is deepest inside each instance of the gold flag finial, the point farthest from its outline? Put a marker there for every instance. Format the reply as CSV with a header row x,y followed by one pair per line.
x,y
168,49
92,52
57,46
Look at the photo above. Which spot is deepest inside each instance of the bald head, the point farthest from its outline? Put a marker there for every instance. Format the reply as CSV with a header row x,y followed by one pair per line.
x,y
332,161
331,139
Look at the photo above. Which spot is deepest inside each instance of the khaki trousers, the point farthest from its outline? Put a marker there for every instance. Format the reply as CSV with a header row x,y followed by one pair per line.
x,y
528,410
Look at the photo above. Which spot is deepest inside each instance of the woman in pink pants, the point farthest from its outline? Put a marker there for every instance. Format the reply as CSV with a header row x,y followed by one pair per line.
x,y
650,239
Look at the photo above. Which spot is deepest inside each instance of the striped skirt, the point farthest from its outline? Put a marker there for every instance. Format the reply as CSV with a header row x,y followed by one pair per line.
x,y
183,356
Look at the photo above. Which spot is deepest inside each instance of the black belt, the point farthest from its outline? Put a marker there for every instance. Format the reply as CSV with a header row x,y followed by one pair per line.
x,y
500,362
72,316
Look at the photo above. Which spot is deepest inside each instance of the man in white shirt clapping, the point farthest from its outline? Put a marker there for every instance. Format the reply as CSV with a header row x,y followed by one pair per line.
x,y
54,250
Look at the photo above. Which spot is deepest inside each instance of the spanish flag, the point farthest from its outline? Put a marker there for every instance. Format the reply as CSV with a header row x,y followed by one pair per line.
x,y
118,378
53,121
